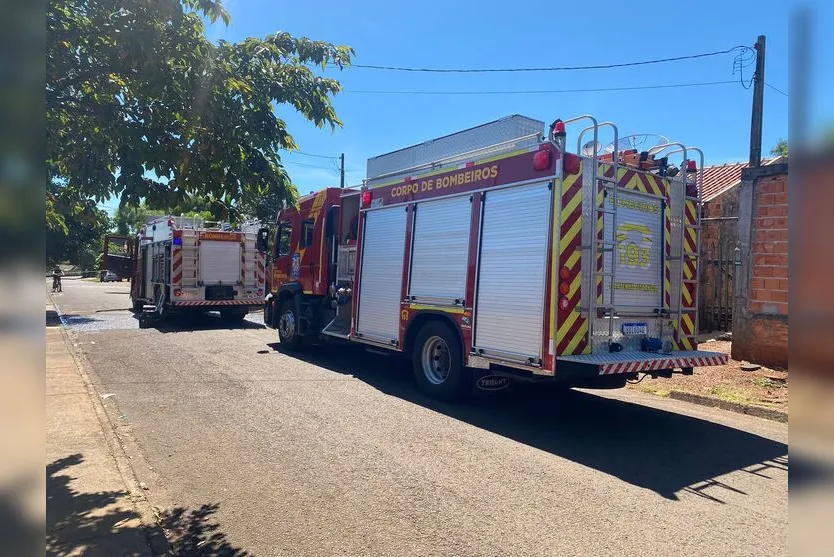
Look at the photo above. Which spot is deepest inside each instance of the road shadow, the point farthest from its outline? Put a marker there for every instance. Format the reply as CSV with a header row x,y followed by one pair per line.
x,y
74,319
209,321
644,446
99,524
52,318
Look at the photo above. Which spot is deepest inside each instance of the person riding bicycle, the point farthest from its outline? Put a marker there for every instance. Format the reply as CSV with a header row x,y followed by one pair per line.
x,y
56,279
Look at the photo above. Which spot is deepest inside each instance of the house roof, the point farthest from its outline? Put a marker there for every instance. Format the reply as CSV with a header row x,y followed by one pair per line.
x,y
722,178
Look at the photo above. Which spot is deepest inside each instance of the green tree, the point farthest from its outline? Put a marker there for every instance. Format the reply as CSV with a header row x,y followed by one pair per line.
x,y
781,148
80,236
140,105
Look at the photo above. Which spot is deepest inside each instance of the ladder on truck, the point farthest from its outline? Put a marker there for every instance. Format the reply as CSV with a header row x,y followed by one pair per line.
x,y
190,249
248,260
696,255
599,245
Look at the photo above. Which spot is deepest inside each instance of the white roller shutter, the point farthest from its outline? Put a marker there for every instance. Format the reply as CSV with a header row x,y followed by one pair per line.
x,y
440,250
510,295
380,283
219,262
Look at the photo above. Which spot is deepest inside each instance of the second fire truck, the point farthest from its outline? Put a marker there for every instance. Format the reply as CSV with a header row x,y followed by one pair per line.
x,y
497,252
187,265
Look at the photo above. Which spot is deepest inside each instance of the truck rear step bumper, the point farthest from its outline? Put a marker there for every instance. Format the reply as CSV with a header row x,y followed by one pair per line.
x,y
197,303
633,361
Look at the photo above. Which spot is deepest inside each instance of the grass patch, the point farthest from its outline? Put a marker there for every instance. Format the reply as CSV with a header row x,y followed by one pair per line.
x,y
729,395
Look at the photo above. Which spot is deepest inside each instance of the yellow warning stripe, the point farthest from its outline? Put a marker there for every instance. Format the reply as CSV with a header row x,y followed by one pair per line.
x,y
565,326
580,334
444,309
686,295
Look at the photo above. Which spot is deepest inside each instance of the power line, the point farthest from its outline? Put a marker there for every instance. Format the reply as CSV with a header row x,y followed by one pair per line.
x,y
551,69
775,89
309,165
542,91
313,155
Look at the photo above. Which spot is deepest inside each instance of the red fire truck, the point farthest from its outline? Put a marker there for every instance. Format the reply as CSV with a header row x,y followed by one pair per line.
x,y
496,253
185,264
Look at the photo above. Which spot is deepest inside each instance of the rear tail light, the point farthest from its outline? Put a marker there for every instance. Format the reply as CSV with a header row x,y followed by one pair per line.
x,y
563,303
564,288
177,292
572,163
564,273
367,196
542,160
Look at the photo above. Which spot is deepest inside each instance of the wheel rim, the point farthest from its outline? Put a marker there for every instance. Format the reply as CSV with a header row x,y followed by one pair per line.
x,y
286,325
436,360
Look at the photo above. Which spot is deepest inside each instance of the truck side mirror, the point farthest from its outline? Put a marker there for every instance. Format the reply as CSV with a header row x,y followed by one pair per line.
x,y
332,222
263,239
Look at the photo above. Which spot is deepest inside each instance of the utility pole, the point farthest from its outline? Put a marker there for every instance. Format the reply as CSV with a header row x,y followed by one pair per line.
x,y
342,170
758,105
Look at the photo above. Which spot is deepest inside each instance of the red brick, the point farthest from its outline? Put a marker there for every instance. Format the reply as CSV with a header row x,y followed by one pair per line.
x,y
779,296
778,248
763,271
771,284
755,307
780,272
783,284
757,283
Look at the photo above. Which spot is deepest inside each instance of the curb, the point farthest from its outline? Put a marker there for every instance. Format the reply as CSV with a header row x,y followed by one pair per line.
x,y
750,410
155,537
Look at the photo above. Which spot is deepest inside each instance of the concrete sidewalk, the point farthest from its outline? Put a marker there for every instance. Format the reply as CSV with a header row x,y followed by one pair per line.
x,y
94,506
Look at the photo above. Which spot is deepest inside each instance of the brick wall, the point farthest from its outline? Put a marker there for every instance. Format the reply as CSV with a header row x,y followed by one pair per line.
x,y
769,287
760,327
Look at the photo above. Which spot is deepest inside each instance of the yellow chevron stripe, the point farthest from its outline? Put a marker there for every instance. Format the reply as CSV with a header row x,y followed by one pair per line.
x,y
637,183
687,320
687,272
574,257
686,295
571,206
570,179
565,326
574,285
566,240
577,338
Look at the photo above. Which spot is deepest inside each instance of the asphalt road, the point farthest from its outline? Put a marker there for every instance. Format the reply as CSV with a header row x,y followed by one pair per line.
x,y
335,453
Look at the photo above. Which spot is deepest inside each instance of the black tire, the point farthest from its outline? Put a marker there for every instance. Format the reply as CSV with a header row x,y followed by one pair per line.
x,y
232,315
287,325
437,362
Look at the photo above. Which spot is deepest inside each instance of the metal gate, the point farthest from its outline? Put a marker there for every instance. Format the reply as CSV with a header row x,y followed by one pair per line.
x,y
717,282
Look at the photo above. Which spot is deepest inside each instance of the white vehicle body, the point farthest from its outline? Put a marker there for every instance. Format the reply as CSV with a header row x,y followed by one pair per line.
x,y
183,263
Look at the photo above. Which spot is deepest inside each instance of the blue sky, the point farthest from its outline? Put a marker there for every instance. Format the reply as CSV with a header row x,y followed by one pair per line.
x,y
500,34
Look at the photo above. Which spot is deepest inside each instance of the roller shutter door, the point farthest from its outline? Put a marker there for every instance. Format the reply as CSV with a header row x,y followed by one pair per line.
x,y
380,281
219,262
511,280
440,250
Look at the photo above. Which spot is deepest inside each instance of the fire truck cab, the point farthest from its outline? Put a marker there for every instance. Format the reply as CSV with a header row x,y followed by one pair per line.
x,y
497,253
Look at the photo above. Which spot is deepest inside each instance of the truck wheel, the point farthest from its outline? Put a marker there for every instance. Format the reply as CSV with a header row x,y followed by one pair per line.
x,y
437,362
288,326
